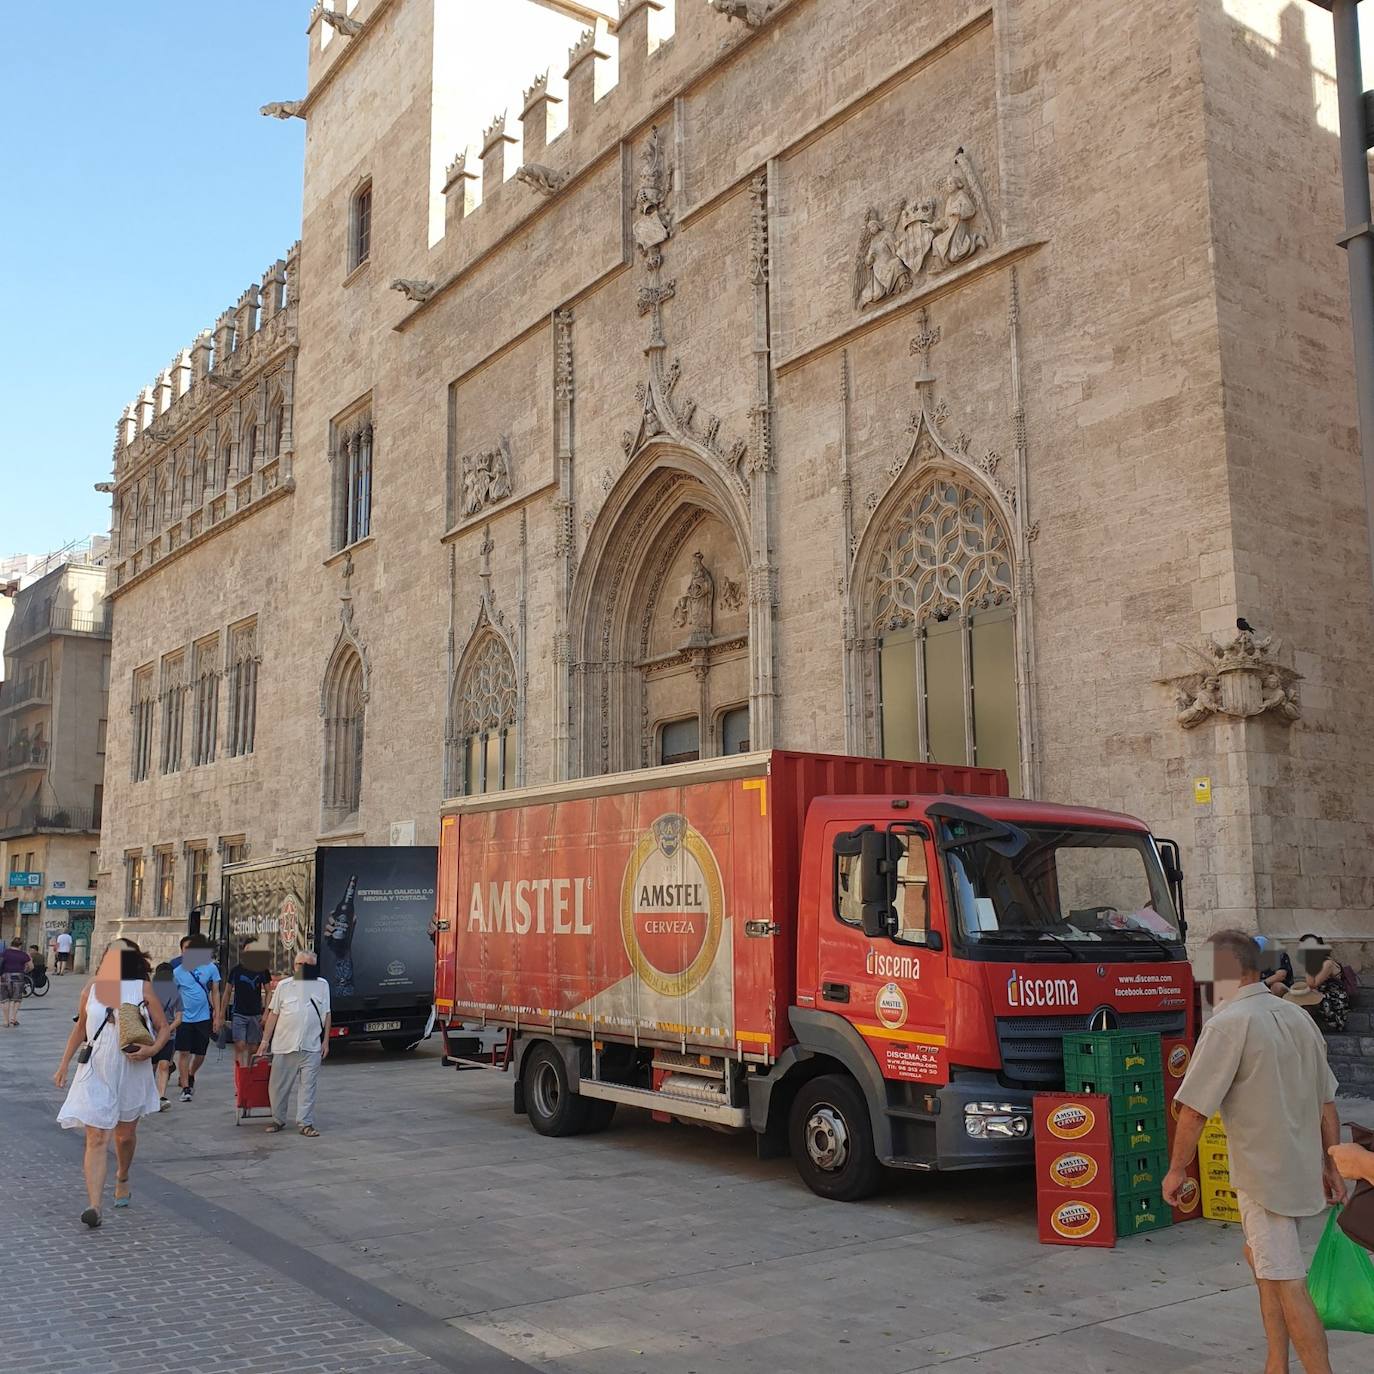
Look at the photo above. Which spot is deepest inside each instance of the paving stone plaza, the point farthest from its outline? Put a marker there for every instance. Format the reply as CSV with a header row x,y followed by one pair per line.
x,y
429,1229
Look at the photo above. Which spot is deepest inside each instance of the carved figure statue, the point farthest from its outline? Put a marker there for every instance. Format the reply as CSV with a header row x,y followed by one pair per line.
x,y
917,226
282,109
540,178
1278,698
413,289
753,12
731,595
880,270
342,23
486,477
693,610
962,203
653,224
1194,708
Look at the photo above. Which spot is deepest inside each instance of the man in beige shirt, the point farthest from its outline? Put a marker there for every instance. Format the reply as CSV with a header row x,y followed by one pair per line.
x,y
1262,1062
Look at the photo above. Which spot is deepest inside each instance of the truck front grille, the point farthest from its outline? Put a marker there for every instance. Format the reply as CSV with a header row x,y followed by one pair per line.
x,y
1033,1046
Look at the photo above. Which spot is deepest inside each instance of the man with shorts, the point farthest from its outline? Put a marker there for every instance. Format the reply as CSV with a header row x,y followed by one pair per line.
x,y
1262,1062
14,964
198,981
64,951
247,979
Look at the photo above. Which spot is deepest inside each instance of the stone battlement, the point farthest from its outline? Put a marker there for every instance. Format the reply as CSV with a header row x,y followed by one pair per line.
x,y
244,334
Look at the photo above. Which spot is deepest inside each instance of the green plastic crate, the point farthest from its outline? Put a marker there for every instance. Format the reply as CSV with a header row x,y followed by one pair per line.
x,y
1110,1056
1141,1171
1139,1133
1132,1093
1140,1212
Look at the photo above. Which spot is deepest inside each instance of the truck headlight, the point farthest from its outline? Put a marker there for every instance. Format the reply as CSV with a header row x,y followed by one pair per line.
x,y
998,1119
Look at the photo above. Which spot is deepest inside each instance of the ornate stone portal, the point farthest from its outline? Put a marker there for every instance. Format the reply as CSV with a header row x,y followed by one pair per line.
x,y
1240,678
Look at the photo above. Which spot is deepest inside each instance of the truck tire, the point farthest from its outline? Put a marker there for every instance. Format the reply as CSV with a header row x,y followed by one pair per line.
x,y
831,1139
550,1103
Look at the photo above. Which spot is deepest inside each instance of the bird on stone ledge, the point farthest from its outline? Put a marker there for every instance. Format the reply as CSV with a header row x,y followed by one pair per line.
x,y
1244,626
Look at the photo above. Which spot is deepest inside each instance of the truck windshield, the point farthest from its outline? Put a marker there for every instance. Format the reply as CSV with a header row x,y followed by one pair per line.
x,y
1065,884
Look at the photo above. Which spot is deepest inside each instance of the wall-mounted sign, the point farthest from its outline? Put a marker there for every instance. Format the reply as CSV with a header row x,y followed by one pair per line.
x,y
71,903
30,908
57,885
1202,791
19,878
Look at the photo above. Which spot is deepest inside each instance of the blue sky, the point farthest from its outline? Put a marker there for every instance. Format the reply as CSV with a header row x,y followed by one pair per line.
x,y
143,193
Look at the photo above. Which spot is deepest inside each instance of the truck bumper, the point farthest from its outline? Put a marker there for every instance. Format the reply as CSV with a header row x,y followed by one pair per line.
x,y
956,1148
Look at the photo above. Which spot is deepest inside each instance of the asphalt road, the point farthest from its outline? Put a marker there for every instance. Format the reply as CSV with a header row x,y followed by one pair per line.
x,y
428,1229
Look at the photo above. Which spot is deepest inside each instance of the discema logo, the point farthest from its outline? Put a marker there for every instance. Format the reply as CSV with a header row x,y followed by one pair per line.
x,y
1041,993
672,906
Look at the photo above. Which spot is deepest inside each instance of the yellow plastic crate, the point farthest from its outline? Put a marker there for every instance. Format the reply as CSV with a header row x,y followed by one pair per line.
x,y
1214,1133
1220,1204
1214,1168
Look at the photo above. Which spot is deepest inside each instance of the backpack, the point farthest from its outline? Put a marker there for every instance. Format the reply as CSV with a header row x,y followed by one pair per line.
x,y
1350,980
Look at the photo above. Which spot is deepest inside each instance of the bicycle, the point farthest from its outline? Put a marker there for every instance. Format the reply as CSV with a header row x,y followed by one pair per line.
x,y
35,988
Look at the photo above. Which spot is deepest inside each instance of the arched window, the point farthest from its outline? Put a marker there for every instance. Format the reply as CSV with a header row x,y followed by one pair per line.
x,y
360,225
345,702
248,445
226,462
941,602
276,427
485,713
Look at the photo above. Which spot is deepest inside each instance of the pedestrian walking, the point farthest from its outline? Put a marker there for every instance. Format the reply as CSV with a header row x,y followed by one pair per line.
x,y
113,1086
64,951
14,964
197,979
1262,1062
244,989
296,1035
169,995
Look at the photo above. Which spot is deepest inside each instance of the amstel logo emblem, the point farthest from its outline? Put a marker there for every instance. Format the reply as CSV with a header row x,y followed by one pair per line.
x,y
672,907
1075,1220
890,1004
1179,1058
1074,1170
1071,1121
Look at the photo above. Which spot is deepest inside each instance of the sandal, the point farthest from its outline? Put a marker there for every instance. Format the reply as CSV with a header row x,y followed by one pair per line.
x,y
274,1128
309,1130
91,1216
127,1197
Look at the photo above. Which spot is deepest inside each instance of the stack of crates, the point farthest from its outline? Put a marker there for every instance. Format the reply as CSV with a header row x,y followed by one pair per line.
x,y
1128,1067
1073,1169
1178,1055
1219,1202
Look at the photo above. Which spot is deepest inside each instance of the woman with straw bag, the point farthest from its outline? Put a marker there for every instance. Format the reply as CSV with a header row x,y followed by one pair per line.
x,y
119,1027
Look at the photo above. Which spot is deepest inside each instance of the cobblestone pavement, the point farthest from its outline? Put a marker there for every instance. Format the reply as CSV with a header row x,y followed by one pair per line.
x,y
430,1230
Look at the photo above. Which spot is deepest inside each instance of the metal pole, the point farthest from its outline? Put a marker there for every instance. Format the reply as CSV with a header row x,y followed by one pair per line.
x,y
1358,238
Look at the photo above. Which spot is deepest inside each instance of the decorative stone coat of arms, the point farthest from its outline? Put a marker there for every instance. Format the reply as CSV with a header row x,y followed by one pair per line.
x,y
1240,678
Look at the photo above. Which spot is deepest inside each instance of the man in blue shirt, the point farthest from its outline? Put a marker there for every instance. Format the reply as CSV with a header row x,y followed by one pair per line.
x,y
198,981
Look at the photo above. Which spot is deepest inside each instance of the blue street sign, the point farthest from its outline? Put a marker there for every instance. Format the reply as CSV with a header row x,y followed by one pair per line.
x,y
22,879
71,903
30,908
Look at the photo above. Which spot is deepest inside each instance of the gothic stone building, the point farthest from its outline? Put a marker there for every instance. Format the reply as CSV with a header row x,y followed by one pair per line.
x,y
923,379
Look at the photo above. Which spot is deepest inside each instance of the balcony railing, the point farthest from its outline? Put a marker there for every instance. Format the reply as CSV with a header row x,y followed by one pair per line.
x,y
27,820
24,695
58,620
19,758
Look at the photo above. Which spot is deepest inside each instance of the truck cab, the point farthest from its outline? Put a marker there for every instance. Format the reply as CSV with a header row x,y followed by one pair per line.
x,y
954,942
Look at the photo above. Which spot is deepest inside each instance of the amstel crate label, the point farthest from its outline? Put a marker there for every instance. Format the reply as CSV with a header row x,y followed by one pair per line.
x,y
1077,1119
1076,1220
1073,1169
1072,1121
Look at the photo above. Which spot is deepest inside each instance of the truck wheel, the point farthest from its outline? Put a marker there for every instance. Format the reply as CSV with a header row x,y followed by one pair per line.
x,y
832,1139
399,1045
551,1104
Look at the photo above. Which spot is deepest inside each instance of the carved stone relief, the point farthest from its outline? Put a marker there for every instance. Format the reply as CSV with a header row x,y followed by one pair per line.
x,y
486,477
414,289
539,178
1240,677
924,236
653,222
754,13
695,608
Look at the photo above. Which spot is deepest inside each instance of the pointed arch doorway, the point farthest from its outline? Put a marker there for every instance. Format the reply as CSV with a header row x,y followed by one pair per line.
x,y
662,666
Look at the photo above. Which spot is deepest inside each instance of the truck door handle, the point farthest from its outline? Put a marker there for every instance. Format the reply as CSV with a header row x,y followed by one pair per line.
x,y
835,992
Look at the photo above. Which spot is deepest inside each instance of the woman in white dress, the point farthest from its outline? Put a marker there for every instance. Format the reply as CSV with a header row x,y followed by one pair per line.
x,y
114,1087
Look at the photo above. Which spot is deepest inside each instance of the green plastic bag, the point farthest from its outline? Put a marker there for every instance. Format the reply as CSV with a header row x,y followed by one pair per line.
x,y
1341,1281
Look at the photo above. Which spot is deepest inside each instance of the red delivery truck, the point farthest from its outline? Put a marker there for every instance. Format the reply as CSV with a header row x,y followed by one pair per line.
x,y
867,962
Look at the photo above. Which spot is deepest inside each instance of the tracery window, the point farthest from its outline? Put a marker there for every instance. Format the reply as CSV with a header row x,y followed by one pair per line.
x,y
205,712
276,427
345,704
353,481
486,724
141,708
243,687
941,598
173,710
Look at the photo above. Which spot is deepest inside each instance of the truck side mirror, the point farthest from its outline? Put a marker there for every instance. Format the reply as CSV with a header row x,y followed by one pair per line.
x,y
877,883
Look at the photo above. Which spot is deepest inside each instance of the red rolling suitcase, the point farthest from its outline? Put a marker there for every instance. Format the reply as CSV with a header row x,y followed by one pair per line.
x,y
250,1089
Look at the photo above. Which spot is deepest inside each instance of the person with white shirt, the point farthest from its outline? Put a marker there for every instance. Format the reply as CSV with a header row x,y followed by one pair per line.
x,y
64,951
296,1035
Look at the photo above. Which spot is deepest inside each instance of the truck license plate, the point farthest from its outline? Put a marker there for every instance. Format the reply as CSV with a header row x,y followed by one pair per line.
x,y
382,1025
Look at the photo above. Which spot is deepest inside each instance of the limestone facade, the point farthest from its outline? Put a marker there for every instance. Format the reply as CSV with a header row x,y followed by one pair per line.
x,y
837,374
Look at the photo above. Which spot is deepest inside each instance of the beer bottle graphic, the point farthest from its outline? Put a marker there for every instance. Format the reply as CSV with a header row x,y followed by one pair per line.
x,y
338,936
